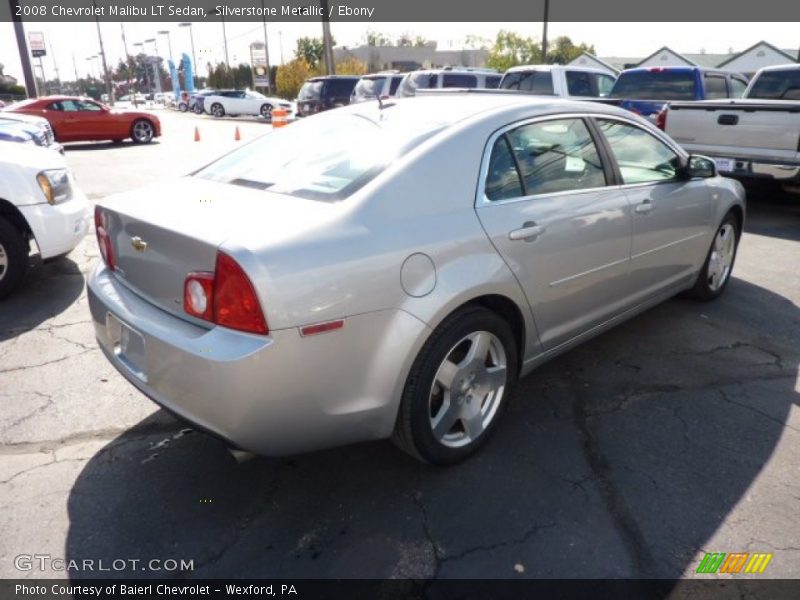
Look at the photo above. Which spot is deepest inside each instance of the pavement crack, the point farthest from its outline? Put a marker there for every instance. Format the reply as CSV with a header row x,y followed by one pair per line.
x,y
88,436
616,504
438,553
767,416
46,363
525,537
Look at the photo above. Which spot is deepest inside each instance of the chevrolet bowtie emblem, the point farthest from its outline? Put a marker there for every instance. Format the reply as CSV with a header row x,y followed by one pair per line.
x,y
138,244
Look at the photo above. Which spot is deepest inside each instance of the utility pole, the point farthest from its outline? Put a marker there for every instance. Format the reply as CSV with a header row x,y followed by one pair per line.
x,y
77,79
266,51
544,31
128,63
55,66
22,47
225,40
327,43
109,88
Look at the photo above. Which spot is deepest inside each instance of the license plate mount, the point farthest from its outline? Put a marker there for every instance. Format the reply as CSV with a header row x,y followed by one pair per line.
x,y
128,346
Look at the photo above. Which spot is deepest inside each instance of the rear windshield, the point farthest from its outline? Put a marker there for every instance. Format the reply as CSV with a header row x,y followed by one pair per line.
x,y
325,158
368,87
535,82
655,85
415,81
311,90
777,85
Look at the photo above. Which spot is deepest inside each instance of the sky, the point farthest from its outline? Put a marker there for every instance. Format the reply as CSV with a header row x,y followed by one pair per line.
x,y
66,40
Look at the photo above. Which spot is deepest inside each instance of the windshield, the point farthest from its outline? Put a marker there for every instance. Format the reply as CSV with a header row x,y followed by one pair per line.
x,y
325,158
311,90
655,85
777,85
368,87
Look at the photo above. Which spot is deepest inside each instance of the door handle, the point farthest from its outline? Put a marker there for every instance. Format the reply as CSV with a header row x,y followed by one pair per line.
x,y
645,207
529,232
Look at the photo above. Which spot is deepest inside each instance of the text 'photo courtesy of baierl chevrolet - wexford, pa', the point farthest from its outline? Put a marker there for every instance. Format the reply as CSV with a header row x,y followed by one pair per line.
x,y
367,299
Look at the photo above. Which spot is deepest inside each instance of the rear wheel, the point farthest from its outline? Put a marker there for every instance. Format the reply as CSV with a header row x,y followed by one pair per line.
x,y
716,271
217,110
13,258
142,131
183,107
458,387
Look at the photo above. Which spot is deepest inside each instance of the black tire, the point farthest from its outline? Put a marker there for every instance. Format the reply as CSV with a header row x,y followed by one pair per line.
x,y
266,111
13,258
183,107
414,429
217,110
142,131
704,288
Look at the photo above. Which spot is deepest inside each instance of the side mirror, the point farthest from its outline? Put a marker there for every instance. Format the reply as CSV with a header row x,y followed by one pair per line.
x,y
700,166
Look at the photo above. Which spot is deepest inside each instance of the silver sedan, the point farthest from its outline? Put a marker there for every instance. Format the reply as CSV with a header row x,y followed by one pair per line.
x,y
391,269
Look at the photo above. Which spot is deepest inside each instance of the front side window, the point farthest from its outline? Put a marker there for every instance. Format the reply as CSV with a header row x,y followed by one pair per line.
x,y
642,158
493,81
738,86
777,85
579,83
547,157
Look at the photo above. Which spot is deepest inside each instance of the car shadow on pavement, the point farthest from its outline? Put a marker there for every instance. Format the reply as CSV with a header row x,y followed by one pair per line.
x,y
621,458
89,146
48,290
774,215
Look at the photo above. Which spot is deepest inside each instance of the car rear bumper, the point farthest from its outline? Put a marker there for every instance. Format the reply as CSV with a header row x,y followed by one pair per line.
x,y
273,395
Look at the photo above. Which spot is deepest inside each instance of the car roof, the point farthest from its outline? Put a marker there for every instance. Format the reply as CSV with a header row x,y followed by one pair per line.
x,y
556,68
786,67
324,77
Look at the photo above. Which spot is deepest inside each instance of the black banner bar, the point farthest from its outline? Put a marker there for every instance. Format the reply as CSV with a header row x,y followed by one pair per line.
x,y
379,11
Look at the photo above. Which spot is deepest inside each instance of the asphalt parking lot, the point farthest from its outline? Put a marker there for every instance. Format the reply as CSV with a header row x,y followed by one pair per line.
x,y
673,435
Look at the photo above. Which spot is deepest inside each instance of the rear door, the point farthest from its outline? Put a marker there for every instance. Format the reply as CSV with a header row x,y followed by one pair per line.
x,y
671,215
545,202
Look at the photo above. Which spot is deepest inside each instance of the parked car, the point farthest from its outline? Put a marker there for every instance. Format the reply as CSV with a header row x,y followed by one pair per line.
x,y
196,100
358,245
38,126
39,202
75,119
242,102
323,93
645,90
376,85
129,101
556,80
448,77
756,137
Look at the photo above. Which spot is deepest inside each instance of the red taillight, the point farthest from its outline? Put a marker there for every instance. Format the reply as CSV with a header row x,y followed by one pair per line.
x,y
103,239
225,297
661,119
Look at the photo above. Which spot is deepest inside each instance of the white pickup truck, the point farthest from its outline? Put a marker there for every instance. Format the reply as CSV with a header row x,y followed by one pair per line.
x,y
39,202
557,80
757,136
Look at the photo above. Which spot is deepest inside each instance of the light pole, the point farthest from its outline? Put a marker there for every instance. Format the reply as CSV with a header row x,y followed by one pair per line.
x,y
169,40
225,40
544,31
266,52
156,63
280,41
191,38
327,42
109,87
91,65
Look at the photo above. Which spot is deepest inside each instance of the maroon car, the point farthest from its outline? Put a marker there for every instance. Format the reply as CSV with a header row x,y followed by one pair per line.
x,y
76,119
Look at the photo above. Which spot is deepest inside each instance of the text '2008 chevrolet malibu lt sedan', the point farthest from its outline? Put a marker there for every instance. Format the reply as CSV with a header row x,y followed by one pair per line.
x,y
390,270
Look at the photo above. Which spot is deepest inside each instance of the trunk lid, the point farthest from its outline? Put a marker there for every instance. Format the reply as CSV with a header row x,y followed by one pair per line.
x,y
163,232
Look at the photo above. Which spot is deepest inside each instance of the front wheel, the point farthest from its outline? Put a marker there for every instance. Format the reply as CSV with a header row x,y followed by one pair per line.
x,y
458,387
217,110
266,112
716,271
142,132
13,258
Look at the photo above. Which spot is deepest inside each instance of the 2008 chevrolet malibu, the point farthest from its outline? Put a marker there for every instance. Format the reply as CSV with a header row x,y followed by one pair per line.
x,y
391,269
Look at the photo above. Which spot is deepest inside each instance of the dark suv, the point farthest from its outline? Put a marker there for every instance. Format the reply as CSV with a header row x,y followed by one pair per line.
x,y
323,93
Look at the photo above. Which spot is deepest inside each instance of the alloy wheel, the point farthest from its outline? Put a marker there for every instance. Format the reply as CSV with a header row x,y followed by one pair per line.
x,y
721,259
142,131
3,262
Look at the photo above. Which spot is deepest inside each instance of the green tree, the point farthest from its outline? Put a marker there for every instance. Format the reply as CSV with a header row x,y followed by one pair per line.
x,y
351,66
377,39
563,51
291,76
511,49
311,50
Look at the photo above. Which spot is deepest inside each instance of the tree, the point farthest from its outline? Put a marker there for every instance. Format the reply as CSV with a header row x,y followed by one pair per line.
x,y
477,42
291,76
511,49
377,39
311,50
563,51
351,66
420,41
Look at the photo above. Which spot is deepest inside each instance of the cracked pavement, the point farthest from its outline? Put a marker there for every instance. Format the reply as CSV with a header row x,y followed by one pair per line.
x,y
631,456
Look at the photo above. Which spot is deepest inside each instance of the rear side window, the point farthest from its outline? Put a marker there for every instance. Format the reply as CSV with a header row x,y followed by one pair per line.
x,y
605,84
640,156
417,81
339,87
535,82
394,84
738,87
579,83
549,157
656,84
493,81
777,85
459,80
502,179
715,87
368,87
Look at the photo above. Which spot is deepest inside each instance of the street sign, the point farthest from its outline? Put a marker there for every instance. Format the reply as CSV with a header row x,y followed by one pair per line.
x,y
36,43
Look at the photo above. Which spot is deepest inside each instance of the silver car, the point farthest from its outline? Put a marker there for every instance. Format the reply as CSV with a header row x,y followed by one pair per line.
x,y
391,269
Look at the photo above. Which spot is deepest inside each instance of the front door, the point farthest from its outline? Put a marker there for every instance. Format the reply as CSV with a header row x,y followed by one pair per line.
x,y
564,232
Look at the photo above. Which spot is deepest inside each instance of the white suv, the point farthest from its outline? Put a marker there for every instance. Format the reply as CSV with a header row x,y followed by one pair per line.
x,y
448,77
38,201
557,80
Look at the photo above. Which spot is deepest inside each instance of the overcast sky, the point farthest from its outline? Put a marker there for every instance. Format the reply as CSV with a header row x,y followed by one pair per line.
x,y
609,39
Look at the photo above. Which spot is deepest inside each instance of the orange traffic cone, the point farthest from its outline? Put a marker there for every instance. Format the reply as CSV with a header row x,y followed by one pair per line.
x,y
237,136
196,134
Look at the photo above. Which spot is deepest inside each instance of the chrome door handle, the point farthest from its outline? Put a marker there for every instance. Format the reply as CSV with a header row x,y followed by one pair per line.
x,y
645,207
529,232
